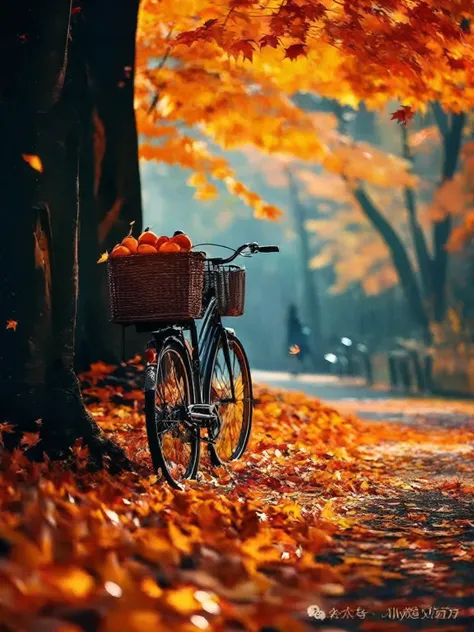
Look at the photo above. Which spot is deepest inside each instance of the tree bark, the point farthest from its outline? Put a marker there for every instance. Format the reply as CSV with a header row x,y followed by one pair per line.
x,y
111,186
39,256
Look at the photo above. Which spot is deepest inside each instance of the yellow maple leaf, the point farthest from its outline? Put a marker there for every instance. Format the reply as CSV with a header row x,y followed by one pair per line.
x,y
34,161
103,257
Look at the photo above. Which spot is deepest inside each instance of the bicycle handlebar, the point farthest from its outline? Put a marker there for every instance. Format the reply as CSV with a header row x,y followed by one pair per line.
x,y
253,247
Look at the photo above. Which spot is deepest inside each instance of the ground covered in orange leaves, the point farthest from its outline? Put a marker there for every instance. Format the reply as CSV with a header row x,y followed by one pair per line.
x,y
328,522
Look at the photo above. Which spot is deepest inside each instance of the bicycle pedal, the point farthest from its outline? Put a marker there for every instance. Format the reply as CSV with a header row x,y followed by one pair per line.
x,y
201,411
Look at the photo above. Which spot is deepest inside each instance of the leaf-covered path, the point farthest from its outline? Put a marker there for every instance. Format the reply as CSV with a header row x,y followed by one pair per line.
x,y
367,523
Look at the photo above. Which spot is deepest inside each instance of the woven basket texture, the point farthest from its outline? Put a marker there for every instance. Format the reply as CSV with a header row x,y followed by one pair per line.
x,y
162,287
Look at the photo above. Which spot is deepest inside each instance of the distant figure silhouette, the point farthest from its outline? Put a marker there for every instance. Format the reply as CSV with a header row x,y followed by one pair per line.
x,y
297,343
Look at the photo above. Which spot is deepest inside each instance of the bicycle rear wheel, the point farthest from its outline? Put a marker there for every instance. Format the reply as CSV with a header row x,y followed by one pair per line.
x,y
235,414
173,439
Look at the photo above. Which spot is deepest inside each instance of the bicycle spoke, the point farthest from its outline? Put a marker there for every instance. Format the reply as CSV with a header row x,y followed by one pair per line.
x,y
233,411
171,399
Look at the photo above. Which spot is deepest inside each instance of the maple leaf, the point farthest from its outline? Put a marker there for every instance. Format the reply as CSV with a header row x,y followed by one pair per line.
x,y
403,115
76,10
294,350
34,161
314,10
294,51
30,439
103,257
269,40
244,47
12,324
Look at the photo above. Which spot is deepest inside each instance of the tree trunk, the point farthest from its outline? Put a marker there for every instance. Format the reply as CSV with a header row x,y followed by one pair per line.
x,y
112,196
451,133
39,256
419,242
312,306
399,258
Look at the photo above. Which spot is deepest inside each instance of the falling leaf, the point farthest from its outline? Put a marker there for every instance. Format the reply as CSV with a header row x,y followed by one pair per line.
x,y
103,257
403,115
12,324
34,161
294,350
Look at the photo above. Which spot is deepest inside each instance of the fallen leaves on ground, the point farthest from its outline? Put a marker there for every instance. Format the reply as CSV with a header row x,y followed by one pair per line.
x,y
325,513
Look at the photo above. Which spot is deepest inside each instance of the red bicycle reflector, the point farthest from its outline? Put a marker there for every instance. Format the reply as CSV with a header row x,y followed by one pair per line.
x,y
150,355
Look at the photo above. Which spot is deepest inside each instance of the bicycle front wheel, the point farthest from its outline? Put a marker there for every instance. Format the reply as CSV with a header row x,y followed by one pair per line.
x,y
173,440
235,412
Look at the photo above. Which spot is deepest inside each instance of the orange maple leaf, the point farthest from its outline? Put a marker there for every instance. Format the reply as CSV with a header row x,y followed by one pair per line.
x,y
403,115
294,350
34,161
294,51
30,439
12,324
244,47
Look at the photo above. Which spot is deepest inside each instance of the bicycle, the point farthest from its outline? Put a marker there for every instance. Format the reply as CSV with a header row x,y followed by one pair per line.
x,y
199,386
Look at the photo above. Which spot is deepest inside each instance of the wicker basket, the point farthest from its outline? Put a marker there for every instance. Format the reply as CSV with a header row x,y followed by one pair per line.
x,y
150,288
228,283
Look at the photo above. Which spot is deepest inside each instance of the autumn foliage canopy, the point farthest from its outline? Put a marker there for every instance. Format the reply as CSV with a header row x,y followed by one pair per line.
x,y
222,73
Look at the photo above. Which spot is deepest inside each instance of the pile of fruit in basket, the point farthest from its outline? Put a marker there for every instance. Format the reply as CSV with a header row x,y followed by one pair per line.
x,y
150,244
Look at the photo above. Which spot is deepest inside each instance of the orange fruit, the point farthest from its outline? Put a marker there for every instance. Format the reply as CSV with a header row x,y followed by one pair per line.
x,y
120,251
147,237
131,243
160,241
146,249
183,242
169,246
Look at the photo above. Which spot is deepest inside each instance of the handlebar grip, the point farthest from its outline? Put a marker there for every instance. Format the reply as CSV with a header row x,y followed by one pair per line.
x,y
268,249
